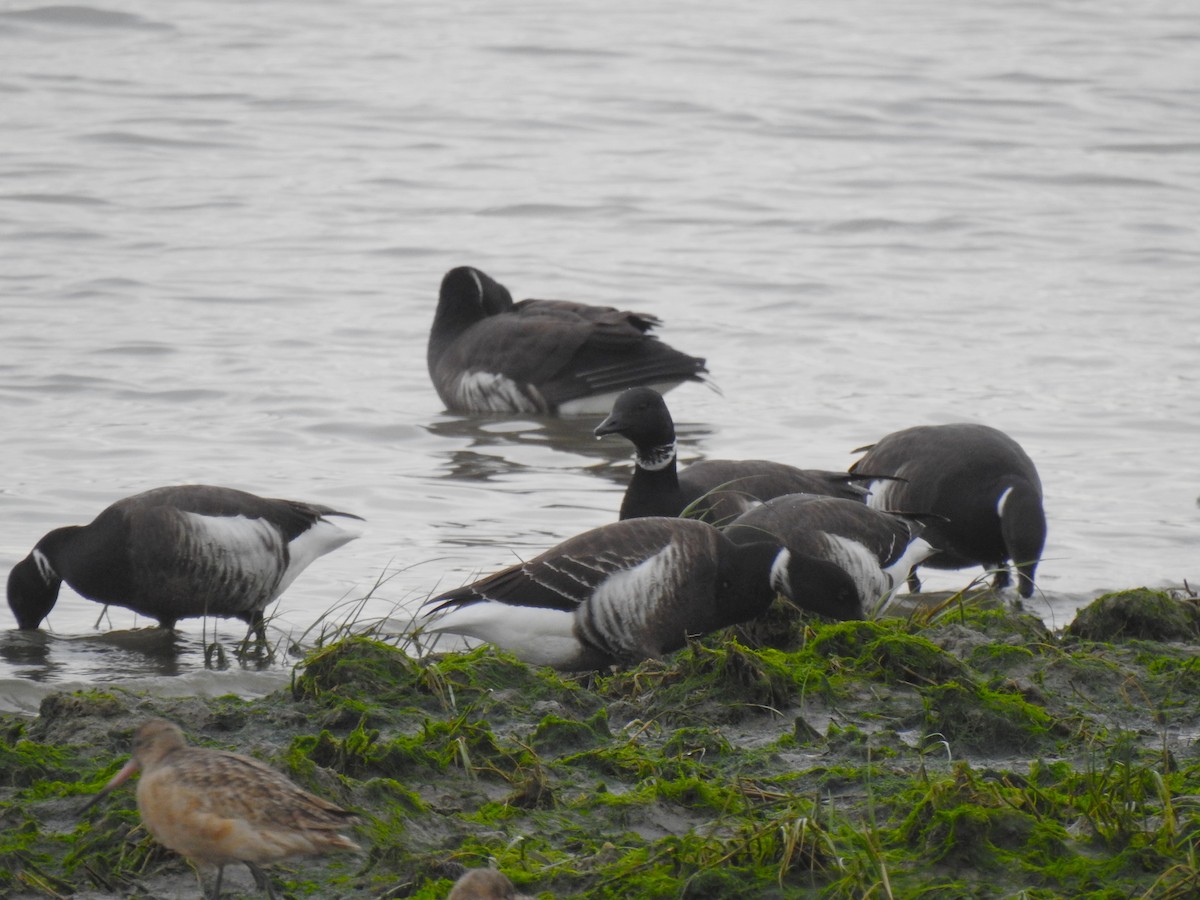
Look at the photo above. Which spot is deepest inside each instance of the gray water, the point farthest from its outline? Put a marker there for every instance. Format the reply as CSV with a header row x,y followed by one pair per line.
x,y
223,226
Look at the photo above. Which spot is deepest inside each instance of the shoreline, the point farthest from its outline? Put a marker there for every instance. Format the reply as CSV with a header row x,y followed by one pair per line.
x,y
967,752
179,666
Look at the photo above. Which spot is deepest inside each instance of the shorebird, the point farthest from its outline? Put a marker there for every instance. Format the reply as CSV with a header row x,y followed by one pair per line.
x,y
621,593
484,884
715,490
545,357
982,485
178,552
217,807
876,550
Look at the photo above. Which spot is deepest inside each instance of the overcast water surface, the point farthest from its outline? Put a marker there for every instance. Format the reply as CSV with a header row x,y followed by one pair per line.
x,y
223,226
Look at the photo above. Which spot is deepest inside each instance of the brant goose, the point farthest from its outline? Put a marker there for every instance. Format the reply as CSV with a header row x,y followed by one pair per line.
x,y
620,593
876,550
217,807
176,552
980,482
497,299
714,490
547,357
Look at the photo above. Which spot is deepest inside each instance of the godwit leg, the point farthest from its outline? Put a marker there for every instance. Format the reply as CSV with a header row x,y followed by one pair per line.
x,y
261,879
216,892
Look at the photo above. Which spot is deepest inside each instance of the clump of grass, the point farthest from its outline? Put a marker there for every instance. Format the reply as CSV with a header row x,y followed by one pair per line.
x,y
717,678
24,763
885,652
555,734
979,719
462,743
1138,614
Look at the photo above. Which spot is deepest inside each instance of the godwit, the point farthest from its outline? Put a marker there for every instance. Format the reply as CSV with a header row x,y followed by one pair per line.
x,y
484,884
717,490
980,482
177,552
217,807
550,357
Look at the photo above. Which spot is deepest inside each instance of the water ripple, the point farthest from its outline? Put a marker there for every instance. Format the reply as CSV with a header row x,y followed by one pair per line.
x,y
228,233
84,17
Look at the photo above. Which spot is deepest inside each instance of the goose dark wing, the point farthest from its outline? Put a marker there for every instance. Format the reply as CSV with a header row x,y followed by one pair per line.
x,y
607,316
567,575
796,519
290,517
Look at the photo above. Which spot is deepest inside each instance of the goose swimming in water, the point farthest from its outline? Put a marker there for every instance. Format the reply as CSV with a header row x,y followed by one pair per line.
x,y
178,552
544,357
716,490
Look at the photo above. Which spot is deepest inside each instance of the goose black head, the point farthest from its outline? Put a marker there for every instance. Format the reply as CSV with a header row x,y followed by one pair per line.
x,y
641,416
32,590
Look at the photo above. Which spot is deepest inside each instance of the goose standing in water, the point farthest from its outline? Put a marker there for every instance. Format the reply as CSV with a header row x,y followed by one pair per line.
x,y
179,552
980,482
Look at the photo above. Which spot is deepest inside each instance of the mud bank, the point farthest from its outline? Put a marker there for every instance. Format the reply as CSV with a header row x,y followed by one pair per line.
x,y
962,751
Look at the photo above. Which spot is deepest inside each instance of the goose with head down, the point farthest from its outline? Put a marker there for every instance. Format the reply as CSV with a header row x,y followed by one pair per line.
x,y
621,593
982,485
178,552
876,550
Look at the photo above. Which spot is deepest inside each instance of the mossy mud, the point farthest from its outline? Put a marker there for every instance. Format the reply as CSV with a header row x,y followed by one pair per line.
x,y
963,753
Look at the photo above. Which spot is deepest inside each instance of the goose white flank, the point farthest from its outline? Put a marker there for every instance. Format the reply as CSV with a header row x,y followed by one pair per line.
x,y
180,552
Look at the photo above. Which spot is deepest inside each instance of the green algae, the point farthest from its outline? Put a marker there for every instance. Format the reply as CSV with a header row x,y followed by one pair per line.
x,y
558,735
1138,614
707,682
997,623
24,763
977,719
975,755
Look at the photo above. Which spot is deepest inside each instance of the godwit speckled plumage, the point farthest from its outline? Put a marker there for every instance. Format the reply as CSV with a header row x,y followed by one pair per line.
x,y
217,807
484,884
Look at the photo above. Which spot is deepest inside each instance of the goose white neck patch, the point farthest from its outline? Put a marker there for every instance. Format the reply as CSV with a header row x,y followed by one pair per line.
x,y
1003,498
657,458
43,566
